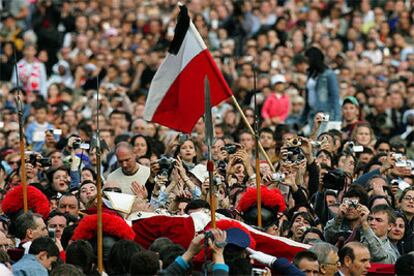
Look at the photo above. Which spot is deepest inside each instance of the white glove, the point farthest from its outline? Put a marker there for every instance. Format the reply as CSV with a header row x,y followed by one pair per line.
x,y
261,257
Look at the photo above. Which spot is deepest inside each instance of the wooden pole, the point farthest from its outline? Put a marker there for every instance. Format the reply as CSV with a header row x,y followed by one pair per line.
x,y
256,138
19,106
99,185
23,176
259,192
209,141
253,133
213,200
99,211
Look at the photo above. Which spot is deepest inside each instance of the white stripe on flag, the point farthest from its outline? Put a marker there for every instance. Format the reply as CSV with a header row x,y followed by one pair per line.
x,y
170,68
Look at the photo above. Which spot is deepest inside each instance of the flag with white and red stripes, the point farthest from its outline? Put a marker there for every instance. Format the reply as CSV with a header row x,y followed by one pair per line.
x,y
182,229
176,94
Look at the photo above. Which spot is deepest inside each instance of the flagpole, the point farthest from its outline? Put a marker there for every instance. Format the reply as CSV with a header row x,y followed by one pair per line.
x,y
251,130
256,126
19,106
99,184
209,142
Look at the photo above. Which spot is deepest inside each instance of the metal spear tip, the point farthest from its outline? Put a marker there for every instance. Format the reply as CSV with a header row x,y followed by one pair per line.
x,y
17,90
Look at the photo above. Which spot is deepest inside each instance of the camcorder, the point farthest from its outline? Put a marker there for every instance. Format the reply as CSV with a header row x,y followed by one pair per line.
x,y
166,164
230,148
222,167
77,144
334,180
354,148
35,158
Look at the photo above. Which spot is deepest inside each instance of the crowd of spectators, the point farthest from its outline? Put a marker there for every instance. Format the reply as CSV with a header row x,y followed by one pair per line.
x,y
335,104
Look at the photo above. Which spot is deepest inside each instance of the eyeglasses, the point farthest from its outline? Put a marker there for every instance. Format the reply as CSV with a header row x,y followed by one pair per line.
x,y
113,189
338,263
17,162
408,198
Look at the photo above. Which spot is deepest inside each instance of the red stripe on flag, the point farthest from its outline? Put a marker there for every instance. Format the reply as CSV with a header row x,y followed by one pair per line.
x,y
183,103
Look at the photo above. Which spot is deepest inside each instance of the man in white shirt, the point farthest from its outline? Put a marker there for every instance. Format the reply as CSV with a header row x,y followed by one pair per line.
x,y
129,170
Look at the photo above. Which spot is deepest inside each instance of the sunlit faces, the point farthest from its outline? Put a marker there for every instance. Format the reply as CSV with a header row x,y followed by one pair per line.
x,y
56,159
60,182
397,229
265,168
267,140
86,174
361,262
216,149
347,164
407,203
384,148
380,224
247,141
87,192
140,146
324,158
350,112
363,135
299,227
239,172
69,204
58,223
188,151
40,230
126,160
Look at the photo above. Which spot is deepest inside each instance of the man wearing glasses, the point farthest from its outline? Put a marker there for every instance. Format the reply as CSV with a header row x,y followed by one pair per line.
x,y
327,257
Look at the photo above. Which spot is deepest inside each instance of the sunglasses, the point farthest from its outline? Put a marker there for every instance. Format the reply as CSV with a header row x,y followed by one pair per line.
x,y
112,189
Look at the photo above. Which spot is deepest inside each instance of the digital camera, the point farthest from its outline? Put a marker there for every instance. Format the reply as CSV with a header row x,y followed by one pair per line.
x,y
166,164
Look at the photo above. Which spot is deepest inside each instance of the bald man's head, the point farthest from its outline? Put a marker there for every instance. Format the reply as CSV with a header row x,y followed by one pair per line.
x,y
126,158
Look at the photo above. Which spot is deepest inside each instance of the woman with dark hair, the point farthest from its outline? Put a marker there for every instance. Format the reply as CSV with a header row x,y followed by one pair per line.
x,y
322,88
187,151
406,201
87,173
80,253
58,180
299,224
398,232
142,146
120,256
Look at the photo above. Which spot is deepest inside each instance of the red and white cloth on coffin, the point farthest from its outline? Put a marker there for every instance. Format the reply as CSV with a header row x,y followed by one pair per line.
x,y
181,230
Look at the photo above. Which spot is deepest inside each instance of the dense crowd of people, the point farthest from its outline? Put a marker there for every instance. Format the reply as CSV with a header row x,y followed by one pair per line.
x,y
333,83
